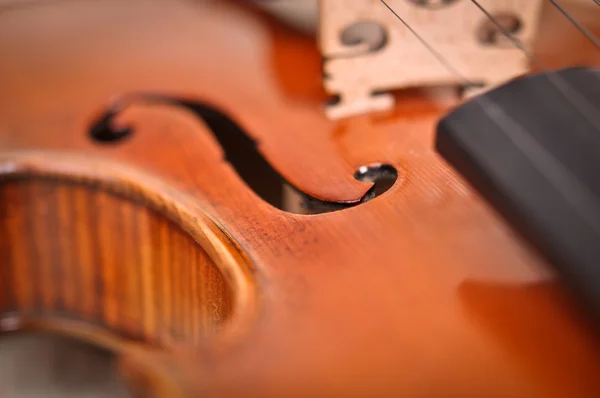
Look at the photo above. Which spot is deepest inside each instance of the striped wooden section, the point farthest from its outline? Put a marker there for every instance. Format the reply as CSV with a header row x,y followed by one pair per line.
x,y
78,253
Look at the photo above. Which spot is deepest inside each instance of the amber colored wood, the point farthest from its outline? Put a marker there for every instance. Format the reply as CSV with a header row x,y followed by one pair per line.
x,y
81,254
424,291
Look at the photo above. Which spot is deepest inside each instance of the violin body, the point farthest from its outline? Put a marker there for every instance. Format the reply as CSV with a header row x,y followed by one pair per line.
x,y
154,245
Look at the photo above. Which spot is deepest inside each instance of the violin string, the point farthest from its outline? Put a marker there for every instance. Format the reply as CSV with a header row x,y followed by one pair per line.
x,y
582,29
545,162
587,109
515,41
447,64
567,184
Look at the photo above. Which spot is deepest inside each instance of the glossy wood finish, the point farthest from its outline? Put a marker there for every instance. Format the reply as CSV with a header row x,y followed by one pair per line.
x,y
81,254
423,291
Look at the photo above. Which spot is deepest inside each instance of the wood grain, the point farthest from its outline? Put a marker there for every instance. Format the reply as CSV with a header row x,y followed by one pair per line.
x,y
78,253
423,291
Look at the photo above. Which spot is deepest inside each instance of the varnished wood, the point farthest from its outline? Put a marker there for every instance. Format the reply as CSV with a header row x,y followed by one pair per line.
x,y
70,252
423,291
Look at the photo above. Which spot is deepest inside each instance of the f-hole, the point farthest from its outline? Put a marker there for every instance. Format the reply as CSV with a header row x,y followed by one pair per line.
x,y
242,153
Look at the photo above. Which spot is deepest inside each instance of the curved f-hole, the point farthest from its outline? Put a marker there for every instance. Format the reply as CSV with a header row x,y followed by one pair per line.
x,y
106,130
383,177
242,153
489,33
368,33
432,3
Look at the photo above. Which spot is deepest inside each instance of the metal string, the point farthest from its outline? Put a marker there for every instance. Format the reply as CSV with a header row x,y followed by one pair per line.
x,y
567,184
582,29
516,42
561,178
587,109
431,49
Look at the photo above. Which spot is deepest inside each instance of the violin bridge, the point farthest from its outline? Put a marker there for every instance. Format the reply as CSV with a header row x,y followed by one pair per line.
x,y
369,52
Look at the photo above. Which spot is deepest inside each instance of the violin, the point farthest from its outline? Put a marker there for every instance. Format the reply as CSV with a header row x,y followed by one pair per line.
x,y
172,190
